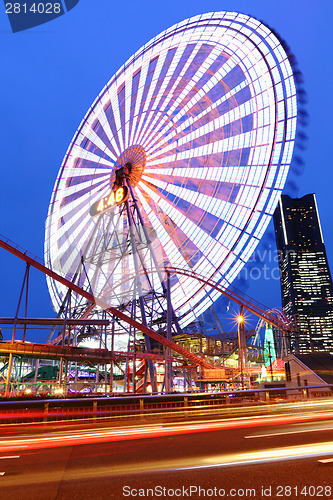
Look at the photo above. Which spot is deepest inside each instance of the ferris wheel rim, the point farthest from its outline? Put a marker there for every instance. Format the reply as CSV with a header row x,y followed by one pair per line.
x,y
207,217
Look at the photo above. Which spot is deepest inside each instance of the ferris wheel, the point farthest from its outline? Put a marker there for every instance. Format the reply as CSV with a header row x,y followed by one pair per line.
x,y
179,162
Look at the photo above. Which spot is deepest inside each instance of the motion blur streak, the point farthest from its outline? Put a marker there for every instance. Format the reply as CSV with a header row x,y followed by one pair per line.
x,y
273,434
72,438
189,463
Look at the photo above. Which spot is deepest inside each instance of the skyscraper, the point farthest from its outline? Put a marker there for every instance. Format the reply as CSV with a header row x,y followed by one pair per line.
x,y
306,282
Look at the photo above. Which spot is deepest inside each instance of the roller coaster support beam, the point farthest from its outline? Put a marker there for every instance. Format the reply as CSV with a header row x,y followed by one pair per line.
x,y
118,314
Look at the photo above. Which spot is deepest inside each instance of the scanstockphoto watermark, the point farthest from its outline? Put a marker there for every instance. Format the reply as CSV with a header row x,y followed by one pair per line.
x,y
265,264
26,14
193,491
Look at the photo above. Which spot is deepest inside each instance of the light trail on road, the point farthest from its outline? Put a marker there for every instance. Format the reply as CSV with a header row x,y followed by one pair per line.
x,y
98,435
205,452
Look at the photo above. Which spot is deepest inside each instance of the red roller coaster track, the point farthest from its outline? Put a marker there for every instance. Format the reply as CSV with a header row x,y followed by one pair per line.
x,y
118,314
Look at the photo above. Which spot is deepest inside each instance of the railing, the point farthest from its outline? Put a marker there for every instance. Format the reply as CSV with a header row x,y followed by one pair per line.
x,y
225,403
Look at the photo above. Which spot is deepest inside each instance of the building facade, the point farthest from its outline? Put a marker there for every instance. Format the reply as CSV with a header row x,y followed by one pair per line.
x,y
306,282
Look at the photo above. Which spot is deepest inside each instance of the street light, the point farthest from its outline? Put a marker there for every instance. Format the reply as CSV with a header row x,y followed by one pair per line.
x,y
241,344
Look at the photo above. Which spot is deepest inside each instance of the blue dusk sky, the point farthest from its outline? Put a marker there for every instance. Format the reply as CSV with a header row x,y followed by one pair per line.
x,y
51,74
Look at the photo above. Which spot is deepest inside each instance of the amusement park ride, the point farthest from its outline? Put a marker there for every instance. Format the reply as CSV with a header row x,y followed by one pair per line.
x,y
164,193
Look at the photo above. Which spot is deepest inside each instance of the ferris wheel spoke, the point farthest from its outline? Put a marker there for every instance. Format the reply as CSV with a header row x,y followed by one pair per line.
x,y
103,130
134,95
92,181
79,152
180,57
141,79
186,80
197,170
79,175
224,107
196,85
162,69
224,146
124,107
171,248
96,140
188,201
89,146
212,189
205,131
209,96
163,62
74,212
76,195
143,94
114,122
198,81
208,136
198,226
226,103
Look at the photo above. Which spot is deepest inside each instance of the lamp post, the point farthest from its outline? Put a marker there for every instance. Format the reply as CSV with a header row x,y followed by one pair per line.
x,y
241,344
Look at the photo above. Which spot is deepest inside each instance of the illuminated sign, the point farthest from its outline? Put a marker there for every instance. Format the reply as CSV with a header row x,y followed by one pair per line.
x,y
110,201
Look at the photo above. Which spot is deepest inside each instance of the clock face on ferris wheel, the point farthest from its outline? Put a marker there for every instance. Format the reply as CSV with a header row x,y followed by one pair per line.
x,y
205,114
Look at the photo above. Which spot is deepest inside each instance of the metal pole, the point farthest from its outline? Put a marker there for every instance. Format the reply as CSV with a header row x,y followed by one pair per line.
x,y
168,362
152,253
60,371
65,318
26,301
270,360
105,366
134,367
126,375
10,363
19,302
241,345
112,350
151,366
134,350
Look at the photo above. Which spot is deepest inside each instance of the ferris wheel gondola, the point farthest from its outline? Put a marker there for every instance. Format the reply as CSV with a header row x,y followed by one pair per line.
x,y
197,129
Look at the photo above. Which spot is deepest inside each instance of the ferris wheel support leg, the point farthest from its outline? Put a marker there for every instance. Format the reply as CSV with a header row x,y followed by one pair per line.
x,y
157,266
134,356
151,367
241,345
168,376
126,375
137,209
105,365
112,349
150,363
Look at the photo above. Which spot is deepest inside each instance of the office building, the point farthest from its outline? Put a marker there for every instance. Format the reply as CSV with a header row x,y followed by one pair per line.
x,y
306,282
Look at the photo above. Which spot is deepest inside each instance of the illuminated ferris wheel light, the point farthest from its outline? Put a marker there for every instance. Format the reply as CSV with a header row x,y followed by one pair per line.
x,y
205,114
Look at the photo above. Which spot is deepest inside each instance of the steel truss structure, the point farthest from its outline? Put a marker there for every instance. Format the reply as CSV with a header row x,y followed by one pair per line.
x,y
112,316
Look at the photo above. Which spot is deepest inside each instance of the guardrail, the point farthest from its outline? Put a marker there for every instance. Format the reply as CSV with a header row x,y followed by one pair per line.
x,y
166,405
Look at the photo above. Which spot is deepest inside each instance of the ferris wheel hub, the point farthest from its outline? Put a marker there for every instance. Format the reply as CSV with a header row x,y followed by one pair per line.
x,y
131,163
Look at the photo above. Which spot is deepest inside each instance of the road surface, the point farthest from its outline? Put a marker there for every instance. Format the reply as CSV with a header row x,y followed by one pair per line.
x,y
273,455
